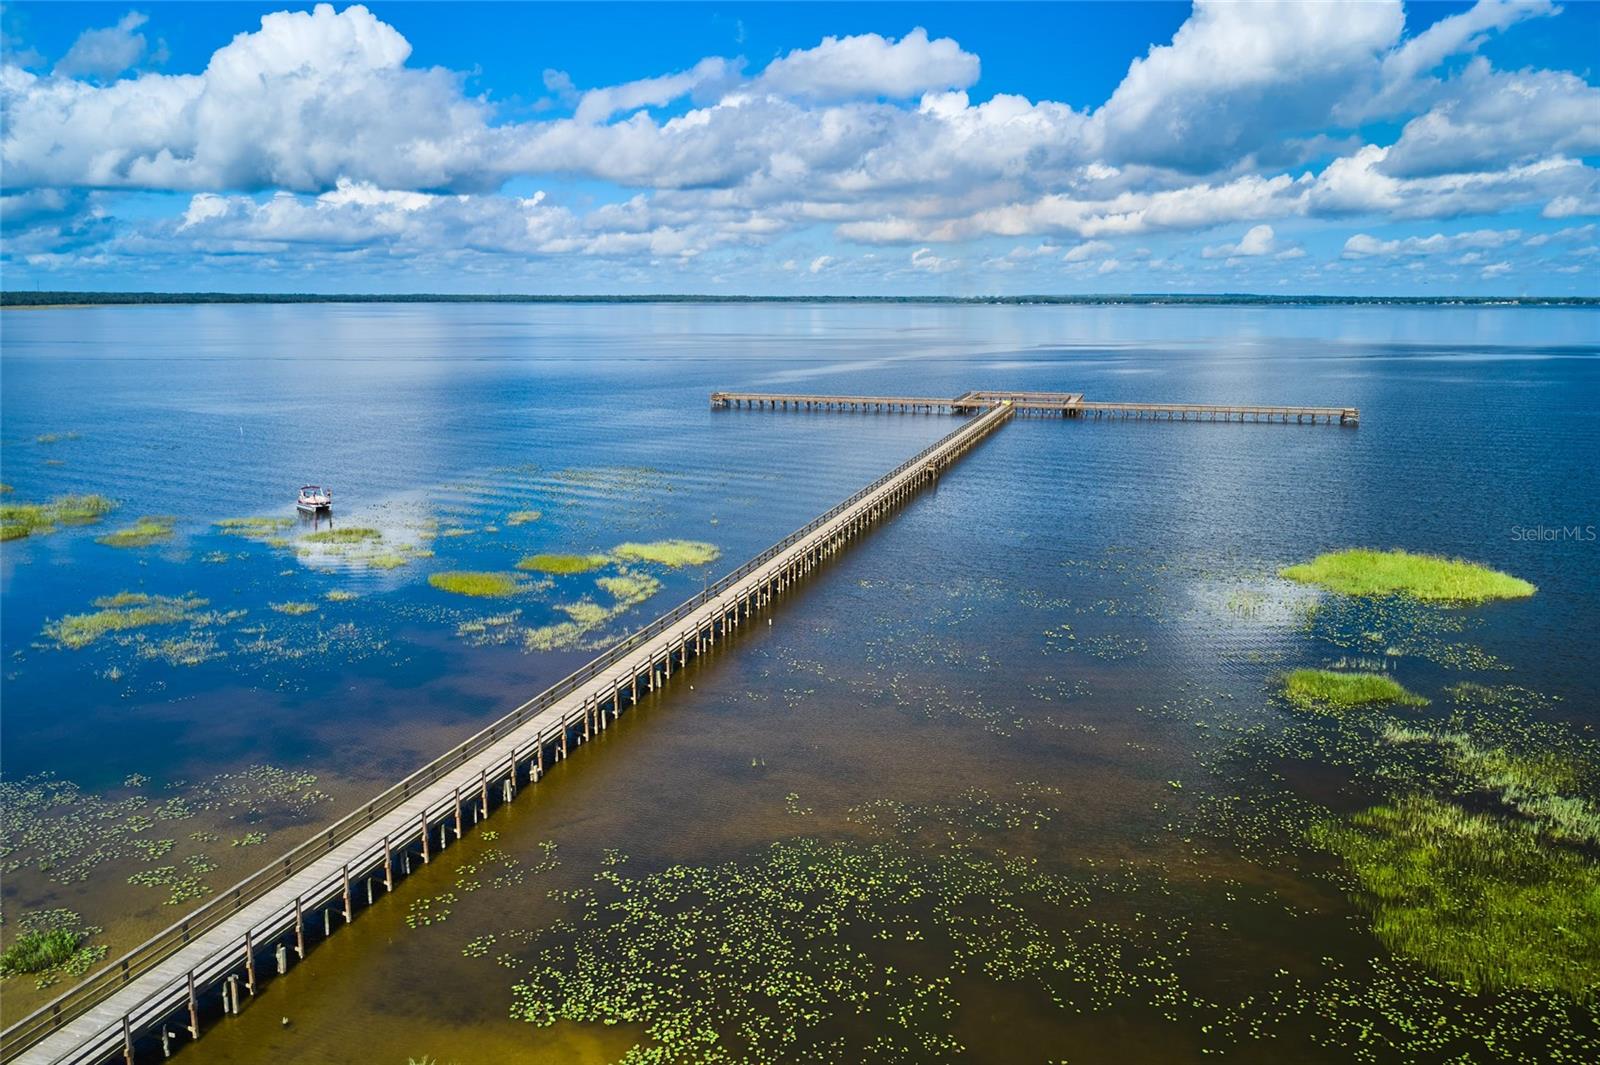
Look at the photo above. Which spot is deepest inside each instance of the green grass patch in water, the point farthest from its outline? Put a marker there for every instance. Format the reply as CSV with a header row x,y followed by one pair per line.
x,y
1482,900
29,519
292,608
353,535
267,529
476,582
339,595
143,532
563,564
523,517
118,613
1363,572
37,951
1320,689
675,553
629,589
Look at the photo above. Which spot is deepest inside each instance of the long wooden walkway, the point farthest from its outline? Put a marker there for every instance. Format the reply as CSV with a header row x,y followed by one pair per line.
x,y
170,988
1065,404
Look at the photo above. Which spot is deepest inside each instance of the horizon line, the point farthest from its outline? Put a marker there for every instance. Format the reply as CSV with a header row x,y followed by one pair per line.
x,y
126,297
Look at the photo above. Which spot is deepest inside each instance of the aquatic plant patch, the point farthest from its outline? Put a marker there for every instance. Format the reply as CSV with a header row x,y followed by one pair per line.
x,y
1315,689
18,520
1480,899
54,828
143,532
50,944
348,535
293,608
677,554
629,589
523,517
260,528
478,583
1362,572
119,613
563,564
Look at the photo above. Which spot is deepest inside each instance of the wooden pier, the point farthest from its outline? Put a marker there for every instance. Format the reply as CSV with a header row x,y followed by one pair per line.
x,y
1064,404
169,989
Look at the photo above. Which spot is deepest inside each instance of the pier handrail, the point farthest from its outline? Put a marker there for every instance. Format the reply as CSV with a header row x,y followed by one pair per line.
x,y
80,998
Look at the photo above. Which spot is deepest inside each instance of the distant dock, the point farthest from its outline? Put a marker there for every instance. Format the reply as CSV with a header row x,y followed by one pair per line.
x,y
1064,404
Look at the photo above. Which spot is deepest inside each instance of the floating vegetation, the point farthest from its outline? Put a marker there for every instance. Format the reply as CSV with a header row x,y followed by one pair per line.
x,y
30,519
674,553
523,517
118,613
339,595
431,910
629,589
54,828
142,533
1537,785
1431,577
562,564
349,535
293,608
51,944
1320,689
183,650
255,528
476,583
493,629
249,839
357,546
1113,647
182,887
1477,898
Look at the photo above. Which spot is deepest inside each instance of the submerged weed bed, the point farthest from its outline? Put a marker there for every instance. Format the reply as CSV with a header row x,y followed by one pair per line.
x,y
1327,689
674,553
479,583
1478,898
118,613
144,532
18,520
563,564
1431,577
352,535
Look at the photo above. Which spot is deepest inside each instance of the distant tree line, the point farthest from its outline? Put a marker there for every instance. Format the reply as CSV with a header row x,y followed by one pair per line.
x,y
49,299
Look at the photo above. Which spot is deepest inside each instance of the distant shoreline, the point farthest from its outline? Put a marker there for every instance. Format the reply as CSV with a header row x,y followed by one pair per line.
x,y
64,300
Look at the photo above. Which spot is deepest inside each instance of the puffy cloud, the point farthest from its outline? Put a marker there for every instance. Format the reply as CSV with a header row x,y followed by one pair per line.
x,y
1494,119
1235,123
1239,76
105,53
308,98
867,65
1258,240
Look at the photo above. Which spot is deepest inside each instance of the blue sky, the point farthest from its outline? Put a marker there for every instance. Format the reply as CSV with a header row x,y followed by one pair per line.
x,y
803,148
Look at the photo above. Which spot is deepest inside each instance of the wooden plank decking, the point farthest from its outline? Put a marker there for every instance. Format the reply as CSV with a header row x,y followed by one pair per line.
x,y
173,982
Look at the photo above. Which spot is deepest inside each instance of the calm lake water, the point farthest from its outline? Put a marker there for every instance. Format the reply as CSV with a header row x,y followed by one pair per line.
x,y
1009,781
